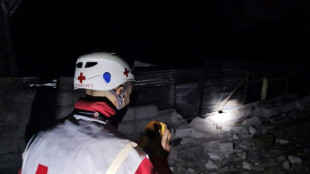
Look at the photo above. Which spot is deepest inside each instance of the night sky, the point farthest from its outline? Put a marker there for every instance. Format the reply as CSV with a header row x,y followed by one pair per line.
x,y
49,35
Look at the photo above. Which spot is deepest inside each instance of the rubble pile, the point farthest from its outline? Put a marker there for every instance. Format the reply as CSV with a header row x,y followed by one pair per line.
x,y
260,137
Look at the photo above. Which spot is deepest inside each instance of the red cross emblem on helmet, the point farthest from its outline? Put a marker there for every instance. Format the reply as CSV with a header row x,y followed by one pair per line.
x,y
126,72
81,77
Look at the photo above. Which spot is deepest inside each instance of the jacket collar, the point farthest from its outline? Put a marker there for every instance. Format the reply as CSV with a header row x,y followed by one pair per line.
x,y
96,107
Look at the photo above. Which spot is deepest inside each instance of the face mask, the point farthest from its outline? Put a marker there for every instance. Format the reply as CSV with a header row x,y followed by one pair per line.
x,y
118,117
120,97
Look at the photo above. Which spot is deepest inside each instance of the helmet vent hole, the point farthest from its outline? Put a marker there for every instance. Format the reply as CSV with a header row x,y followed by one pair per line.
x,y
79,65
90,64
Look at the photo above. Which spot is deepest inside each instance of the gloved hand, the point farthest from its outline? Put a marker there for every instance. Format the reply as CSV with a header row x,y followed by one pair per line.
x,y
155,140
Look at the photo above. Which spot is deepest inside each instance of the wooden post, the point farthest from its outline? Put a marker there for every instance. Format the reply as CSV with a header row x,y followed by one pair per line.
x,y
264,89
286,85
245,92
8,62
201,90
232,92
172,95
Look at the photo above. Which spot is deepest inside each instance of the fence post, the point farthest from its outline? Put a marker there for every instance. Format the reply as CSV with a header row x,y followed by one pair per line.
x,y
264,89
219,108
172,95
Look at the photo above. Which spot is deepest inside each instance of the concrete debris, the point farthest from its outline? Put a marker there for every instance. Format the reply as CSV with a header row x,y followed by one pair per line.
x,y
286,165
294,159
180,133
247,144
188,140
226,148
252,130
251,121
246,165
210,165
261,137
214,155
210,145
281,141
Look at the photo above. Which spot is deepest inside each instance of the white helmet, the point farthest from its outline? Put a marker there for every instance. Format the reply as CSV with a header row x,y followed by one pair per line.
x,y
101,71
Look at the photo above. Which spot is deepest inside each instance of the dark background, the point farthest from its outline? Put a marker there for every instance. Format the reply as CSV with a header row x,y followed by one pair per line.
x,y
49,35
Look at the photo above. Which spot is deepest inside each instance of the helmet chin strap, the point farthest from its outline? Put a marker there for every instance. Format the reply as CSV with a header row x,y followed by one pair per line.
x,y
120,97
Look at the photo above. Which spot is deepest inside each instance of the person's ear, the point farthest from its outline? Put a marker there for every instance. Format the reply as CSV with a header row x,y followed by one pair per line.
x,y
119,90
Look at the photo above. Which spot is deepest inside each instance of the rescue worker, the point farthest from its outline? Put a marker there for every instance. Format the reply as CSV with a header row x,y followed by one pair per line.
x,y
87,141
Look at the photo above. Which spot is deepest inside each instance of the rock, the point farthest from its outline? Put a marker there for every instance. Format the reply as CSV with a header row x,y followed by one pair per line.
x,y
251,121
252,131
210,165
180,133
294,159
188,140
246,165
247,145
211,146
226,148
281,141
214,155
286,165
